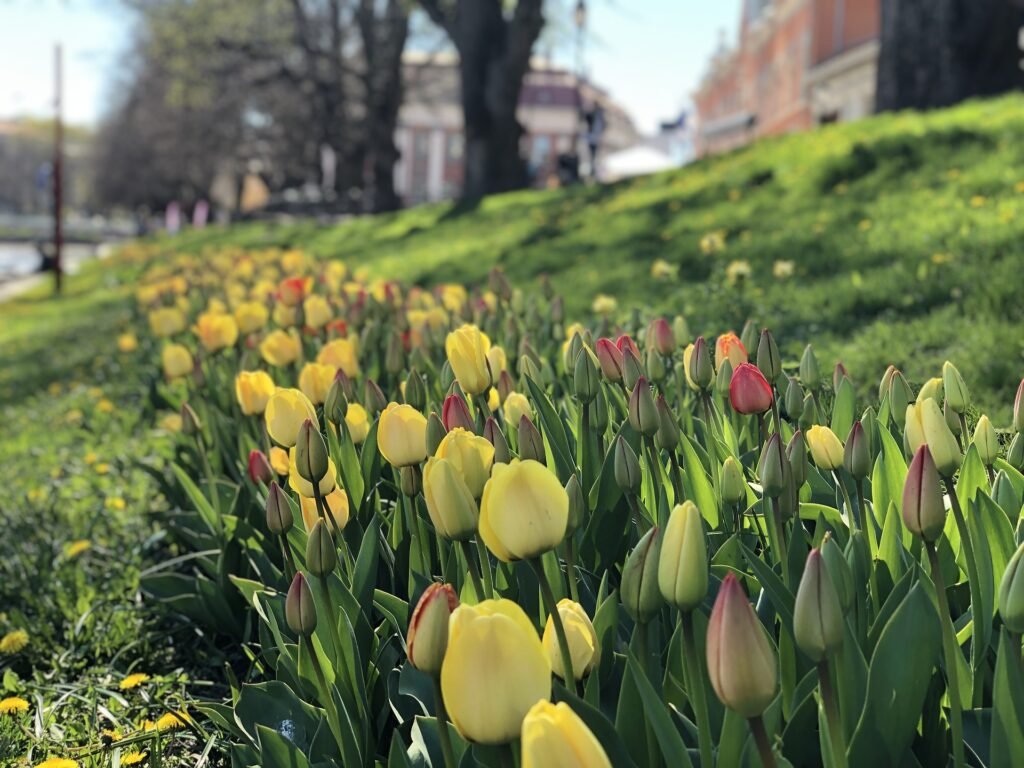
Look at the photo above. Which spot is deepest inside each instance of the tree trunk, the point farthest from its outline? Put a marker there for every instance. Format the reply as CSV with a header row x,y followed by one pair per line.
x,y
937,52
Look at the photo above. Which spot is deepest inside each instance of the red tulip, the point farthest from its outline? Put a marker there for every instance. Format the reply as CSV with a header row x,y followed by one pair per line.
x,y
749,391
610,359
455,413
624,341
259,468
292,290
664,338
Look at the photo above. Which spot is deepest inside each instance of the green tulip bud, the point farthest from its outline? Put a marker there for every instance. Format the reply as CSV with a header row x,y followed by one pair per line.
x,y
641,595
796,452
683,563
655,365
577,504
986,441
599,412
1005,495
749,336
310,453
299,607
531,444
1015,453
528,369
415,390
448,376
680,330
1011,593
702,369
956,389
817,613
494,435
435,432
643,414
900,396
627,467
336,404
809,417
394,356
732,484
411,480
667,436
838,571
941,443
952,419
723,378
886,382
279,511
924,512
632,368
857,452
373,397
810,376
768,359
321,554
793,401
586,379
572,351
771,468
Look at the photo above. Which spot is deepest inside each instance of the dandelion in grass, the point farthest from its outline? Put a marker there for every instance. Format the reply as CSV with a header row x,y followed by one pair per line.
x,y
604,304
713,242
109,736
171,422
90,458
171,721
57,762
115,503
782,269
105,406
978,201
102,468
133,681
73,416
75,548
663,270
133,758
13,705
13,642
737,272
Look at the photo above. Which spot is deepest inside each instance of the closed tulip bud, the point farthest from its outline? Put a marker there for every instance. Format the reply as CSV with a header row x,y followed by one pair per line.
x,y
336,404
838,571
505,386
627,467
664,337
768,360
749,336
857,453
455,414
818,626
1011,593
577,505
643,413
793,402
1004,494
494,435
528,369
524,511
531,444
838,374
733,486
190,424
1015,453
772,466
986,441
952,419
259,469
321,554
655,365
471,455
299,607
632,368
723,378
599,413
641,595
585,378
609,357
900,396
913,430
683,563
428,628
467,348
924,512
869,422
667,436
584,649
680,330
955,388
826,450
450,503
373,397
279,511
702,370
741,661
930,390
252,391
402,435
310,453
286,411
886,382
493,646
554,735
571,351
435,432
1018,409
940,440
415,391
810,376
410,480
796,452
447,376
749,391
810,415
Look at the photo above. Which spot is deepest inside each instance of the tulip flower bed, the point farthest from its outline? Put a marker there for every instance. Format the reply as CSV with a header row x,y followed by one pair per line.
x,y
453,528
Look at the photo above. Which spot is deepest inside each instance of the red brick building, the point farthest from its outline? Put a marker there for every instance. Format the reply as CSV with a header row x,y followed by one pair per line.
x,y
797,63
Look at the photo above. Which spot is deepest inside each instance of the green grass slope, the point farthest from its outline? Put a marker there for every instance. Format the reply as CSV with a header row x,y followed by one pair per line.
x,y
905,234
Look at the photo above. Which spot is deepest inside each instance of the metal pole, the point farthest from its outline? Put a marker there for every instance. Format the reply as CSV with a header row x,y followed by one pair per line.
x,y
58,153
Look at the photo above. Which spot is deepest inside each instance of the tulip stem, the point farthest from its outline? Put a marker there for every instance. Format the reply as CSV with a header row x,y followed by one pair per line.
x,y
780,537
851,514
695,689
837,739
949,645
556,619
764,747
289,558
677,478
570,567
442,725
485,566
474,571
333,720
973,579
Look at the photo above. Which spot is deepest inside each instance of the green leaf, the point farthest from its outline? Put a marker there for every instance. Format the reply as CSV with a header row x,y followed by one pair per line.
x,y
276,751
203,505
700,489
1008,705
673,749
554,431
781,598
973,476
844,409
602,728
898,676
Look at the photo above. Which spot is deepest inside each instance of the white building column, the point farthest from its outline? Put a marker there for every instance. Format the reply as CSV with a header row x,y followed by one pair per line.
x,y
435,165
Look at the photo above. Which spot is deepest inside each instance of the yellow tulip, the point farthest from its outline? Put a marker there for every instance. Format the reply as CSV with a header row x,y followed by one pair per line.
x,y
166,321
498,361
553,736
358,423
683,563
471,455
687,354
941,442
317,311
341,353
494,671
251,316
279,460
315,380
252,390
467,349
516,406
579,631
913,431
402,435
285,316
281,348
493,400
285,412
302,486
450,503
337,506
931,390
177,361
127,342
826,449
216,331
524,511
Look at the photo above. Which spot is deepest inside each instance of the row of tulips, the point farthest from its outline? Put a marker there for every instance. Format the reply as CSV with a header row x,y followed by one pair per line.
x,y
447,528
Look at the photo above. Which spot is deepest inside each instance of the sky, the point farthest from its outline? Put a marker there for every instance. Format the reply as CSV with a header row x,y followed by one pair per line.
x,y
649,54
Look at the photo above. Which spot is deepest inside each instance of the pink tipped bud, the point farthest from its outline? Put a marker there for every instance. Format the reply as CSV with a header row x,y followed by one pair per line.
x,y
455,413
749,390
610,359
260,471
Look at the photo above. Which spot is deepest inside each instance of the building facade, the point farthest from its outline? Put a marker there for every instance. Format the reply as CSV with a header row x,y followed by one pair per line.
x,y
797,63
430,138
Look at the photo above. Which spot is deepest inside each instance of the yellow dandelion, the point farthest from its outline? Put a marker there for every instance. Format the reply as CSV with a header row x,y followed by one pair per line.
x,y
55,388
171,422
133,681
864,225
102,468
75,548
109,736
13,705
127,342
116,503
105,406
737,272
147,725
1019,187
57,762
978,201
663,270
713,242
73,416
14,641
132,758
604,304
171,721
36,495
90,458
94,392
782,269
